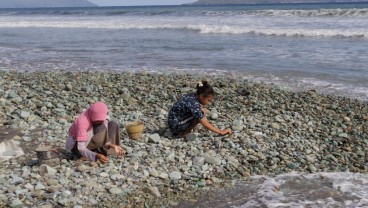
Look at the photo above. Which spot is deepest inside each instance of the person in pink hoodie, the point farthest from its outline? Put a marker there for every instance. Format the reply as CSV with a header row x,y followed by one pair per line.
x,y
92,137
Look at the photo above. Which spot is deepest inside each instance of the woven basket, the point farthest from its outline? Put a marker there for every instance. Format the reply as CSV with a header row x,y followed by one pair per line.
x,y
134,129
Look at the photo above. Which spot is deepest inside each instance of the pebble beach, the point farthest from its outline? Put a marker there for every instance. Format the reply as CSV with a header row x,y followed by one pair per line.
x,y
275,131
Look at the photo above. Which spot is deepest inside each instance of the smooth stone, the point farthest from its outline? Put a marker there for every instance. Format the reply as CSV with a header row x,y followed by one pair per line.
x,y
154,173
237,128
27,139
52,182
212,160
190,137
46,206
232,159
16,138
81,168
45,169
16,180
275,126
214,115
312,168
292,165
128,150
343,135
31,118
154,138
347,119
163,175
175,175
21,191
201,184
116,177
360,153
243,92
198,161
205,167
160,112
257,133
40,186
240,170
16,203
125,96
24,114
92,184
104,174
29,186
63,121
231,143
237,125
67,193
168,134
52,189
37,193
154,191
310,158
63,201
11,95
115,191
68,87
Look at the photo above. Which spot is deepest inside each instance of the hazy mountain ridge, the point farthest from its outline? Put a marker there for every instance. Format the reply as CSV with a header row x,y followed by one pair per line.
x,y
206,2
44,3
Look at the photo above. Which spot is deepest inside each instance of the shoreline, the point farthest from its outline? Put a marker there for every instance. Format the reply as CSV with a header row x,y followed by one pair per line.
x,y
322,87
278,132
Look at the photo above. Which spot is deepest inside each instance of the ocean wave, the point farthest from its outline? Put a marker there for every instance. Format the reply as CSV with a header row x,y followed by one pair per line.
x,y
92,12
315,13
295,32
351,12
200,28
297,12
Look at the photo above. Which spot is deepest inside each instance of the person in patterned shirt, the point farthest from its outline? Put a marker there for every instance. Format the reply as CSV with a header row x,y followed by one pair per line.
x,y
188,111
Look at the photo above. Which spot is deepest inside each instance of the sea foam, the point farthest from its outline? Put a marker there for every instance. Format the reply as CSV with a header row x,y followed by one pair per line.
x,y
189,25
343,189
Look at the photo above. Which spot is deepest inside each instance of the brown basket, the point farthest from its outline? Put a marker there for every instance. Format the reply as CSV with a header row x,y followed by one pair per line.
x,y
134,129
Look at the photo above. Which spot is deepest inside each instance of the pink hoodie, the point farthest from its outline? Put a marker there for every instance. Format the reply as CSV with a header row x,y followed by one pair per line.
x,y
81,125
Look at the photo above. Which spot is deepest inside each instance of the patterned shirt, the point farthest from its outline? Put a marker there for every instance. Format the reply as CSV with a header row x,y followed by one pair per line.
x,y
187,108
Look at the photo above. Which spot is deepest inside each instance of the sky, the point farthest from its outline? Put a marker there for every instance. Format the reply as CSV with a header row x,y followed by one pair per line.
x,y
139,2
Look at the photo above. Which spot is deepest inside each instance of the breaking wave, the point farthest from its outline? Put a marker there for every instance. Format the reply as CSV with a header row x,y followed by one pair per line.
x,y
339,12
200,28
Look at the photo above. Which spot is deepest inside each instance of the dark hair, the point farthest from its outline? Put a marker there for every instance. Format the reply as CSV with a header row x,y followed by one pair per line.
x,y
203,88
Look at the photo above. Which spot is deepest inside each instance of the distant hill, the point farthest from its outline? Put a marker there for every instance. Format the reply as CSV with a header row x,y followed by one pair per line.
x,y
214,2
44,3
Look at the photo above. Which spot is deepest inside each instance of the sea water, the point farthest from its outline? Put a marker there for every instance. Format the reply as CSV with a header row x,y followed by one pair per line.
x,y
302,46
300,190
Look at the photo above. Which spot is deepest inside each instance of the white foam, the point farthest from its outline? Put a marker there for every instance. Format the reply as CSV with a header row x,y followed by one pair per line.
x,y
352,12
346,185
315,13
330,87
281,26
293,32
348,12
201,28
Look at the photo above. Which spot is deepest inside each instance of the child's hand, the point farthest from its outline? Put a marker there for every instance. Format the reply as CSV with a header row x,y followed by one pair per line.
x,y
102,158
118,150
226,131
